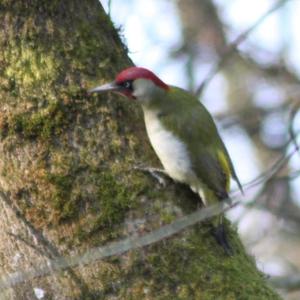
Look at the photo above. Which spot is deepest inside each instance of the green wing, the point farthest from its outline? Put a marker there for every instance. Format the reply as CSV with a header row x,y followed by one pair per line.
x,y
187,118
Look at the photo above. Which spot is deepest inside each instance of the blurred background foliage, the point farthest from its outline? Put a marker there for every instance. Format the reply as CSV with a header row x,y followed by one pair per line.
x,y
243,60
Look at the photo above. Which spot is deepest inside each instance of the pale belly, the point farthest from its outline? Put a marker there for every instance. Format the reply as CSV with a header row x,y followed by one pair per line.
x,y
170,150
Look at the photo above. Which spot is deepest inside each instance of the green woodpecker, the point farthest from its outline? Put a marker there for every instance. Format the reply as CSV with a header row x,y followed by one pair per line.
x,y
183,135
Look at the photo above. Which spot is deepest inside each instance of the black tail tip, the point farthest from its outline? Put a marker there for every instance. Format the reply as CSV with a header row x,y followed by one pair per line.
x,y
221,238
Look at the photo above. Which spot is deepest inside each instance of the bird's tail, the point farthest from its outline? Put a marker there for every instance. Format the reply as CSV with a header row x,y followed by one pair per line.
x,y
219,232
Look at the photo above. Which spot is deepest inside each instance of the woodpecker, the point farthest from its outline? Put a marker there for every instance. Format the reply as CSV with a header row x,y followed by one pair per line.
x,y
184,136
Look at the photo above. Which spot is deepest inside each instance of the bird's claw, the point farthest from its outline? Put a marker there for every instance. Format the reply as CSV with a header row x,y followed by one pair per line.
x,y
156,173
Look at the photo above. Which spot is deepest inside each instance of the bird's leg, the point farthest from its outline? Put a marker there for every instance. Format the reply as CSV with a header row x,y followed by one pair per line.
x,y
221,236
156,173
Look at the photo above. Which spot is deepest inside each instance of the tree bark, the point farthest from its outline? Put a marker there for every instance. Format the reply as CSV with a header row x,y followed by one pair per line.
x,y
67,175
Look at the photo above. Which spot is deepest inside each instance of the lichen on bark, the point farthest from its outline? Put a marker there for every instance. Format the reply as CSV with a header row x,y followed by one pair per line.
x,y
67,160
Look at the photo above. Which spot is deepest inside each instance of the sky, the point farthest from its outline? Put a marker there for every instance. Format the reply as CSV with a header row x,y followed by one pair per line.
x,y
149,42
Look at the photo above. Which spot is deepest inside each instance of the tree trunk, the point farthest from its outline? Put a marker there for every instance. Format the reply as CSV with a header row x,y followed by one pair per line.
x,y
67,171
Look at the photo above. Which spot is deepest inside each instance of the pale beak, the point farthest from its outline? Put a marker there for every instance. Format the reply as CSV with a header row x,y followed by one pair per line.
x,y
112,86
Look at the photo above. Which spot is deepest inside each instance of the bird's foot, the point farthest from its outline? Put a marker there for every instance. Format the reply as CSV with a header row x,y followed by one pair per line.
x,y
158,174
221,238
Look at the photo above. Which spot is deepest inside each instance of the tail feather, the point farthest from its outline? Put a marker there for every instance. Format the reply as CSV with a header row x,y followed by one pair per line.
x,y
236,179
221,237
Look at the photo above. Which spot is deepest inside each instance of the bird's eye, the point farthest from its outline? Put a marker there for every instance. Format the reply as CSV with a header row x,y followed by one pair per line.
x,y
127,85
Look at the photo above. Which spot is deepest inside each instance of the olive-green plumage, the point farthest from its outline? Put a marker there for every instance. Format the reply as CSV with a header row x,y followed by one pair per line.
x,y
183,115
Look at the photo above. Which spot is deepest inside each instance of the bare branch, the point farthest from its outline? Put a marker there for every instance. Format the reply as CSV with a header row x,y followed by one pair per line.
x,y
232,47
272,171
115,248
291,125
